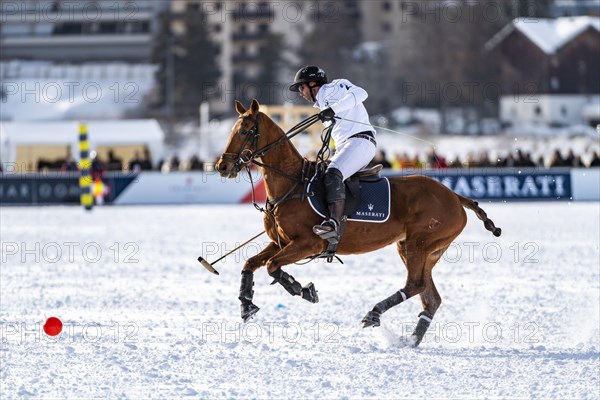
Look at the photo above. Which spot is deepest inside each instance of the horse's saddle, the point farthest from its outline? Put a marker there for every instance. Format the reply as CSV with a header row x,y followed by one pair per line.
x,y
367,196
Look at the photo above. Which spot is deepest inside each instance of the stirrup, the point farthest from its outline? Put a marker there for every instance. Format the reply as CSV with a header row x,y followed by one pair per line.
x,y
328,254
327,230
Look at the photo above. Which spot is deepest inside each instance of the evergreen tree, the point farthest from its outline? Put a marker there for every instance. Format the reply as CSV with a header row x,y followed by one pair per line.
x,y
187,64
331,43
159,57
528,8
445,65
268,78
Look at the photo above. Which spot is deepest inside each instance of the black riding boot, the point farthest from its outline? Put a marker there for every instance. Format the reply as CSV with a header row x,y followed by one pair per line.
x,y
330,229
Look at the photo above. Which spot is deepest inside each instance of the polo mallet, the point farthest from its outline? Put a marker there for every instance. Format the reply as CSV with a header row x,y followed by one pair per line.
x,y
209,265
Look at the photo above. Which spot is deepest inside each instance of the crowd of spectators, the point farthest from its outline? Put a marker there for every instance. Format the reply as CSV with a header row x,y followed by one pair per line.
x,y
400,161
519,158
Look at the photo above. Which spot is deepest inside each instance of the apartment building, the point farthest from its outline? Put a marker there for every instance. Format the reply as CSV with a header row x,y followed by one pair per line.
x,y
244,30
79,30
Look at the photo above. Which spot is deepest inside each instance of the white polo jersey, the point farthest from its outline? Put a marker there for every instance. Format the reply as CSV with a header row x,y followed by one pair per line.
x,y
346,100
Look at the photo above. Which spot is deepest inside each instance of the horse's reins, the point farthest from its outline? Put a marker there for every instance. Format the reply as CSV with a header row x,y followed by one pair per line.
x,y
295,130
246,156
435,156
298,128
242,159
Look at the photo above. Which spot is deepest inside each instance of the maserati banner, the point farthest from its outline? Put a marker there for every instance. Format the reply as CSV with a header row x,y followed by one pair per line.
x,y
210,188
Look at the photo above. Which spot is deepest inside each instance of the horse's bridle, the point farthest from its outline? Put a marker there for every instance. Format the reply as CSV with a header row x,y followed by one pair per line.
x,y
246,155
249,155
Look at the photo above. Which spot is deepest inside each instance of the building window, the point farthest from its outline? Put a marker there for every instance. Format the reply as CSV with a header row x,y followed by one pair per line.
x,y
350,4
68,28
405,7
90,29
108,27
386,6
15,29
137,27
193,7
554,83
538,110
386,27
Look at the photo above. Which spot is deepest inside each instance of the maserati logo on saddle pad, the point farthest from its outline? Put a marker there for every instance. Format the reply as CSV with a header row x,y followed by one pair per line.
x,y
373,205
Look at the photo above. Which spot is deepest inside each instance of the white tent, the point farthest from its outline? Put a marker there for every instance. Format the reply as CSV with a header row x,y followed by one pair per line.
x,y
48,138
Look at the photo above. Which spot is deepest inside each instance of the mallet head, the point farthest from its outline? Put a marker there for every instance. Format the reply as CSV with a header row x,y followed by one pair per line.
x,y
208,265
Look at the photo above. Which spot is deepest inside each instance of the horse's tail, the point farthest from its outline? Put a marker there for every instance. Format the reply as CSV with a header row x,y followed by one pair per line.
x,y
474,206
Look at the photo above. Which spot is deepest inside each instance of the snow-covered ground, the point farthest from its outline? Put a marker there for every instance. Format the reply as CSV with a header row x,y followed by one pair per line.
x,y
519,319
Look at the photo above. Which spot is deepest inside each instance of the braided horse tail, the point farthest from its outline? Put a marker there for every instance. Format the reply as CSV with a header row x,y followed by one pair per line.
x,y
474,206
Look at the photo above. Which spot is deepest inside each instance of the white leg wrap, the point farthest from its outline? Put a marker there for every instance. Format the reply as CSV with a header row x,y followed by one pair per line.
x,y
425,317
403,295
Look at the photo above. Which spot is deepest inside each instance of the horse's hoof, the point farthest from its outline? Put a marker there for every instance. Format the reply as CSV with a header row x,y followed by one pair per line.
x,y
248,311
414,340
371,319
309,293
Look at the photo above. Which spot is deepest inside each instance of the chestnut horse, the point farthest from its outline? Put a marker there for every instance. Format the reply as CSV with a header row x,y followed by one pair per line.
x,y
425,217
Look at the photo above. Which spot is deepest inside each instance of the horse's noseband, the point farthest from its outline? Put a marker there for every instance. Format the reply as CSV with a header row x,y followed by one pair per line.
x,y
246,154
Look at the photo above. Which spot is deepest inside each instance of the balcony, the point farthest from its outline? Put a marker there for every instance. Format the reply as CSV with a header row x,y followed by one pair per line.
x,y
253,14
79,47
245,58
75,15
251,36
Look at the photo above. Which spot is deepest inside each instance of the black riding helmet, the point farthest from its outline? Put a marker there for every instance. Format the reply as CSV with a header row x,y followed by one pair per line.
x,y
310,73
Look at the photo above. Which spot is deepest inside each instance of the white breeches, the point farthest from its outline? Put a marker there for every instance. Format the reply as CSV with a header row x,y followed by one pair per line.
x,y
352,155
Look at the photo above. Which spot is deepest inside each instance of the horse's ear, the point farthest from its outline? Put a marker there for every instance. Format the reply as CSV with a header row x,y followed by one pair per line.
x,y
239,107
254,106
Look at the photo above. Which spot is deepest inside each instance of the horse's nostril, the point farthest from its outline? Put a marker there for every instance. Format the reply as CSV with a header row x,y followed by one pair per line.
x,y
221,166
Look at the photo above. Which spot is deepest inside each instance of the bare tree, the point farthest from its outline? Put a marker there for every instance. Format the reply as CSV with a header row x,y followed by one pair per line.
x,y
447,67
331,43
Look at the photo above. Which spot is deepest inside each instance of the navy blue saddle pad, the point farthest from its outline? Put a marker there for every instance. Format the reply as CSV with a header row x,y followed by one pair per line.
x,y
371,204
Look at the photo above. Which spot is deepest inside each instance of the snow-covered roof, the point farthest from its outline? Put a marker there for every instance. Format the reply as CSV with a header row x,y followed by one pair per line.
x,y
45,91
547,34
591,111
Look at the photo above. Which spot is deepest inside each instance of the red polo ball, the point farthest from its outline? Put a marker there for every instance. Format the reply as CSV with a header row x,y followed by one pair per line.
x,y
53,326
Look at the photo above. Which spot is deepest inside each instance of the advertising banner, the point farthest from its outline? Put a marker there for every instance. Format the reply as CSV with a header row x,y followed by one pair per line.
x,y
209,188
